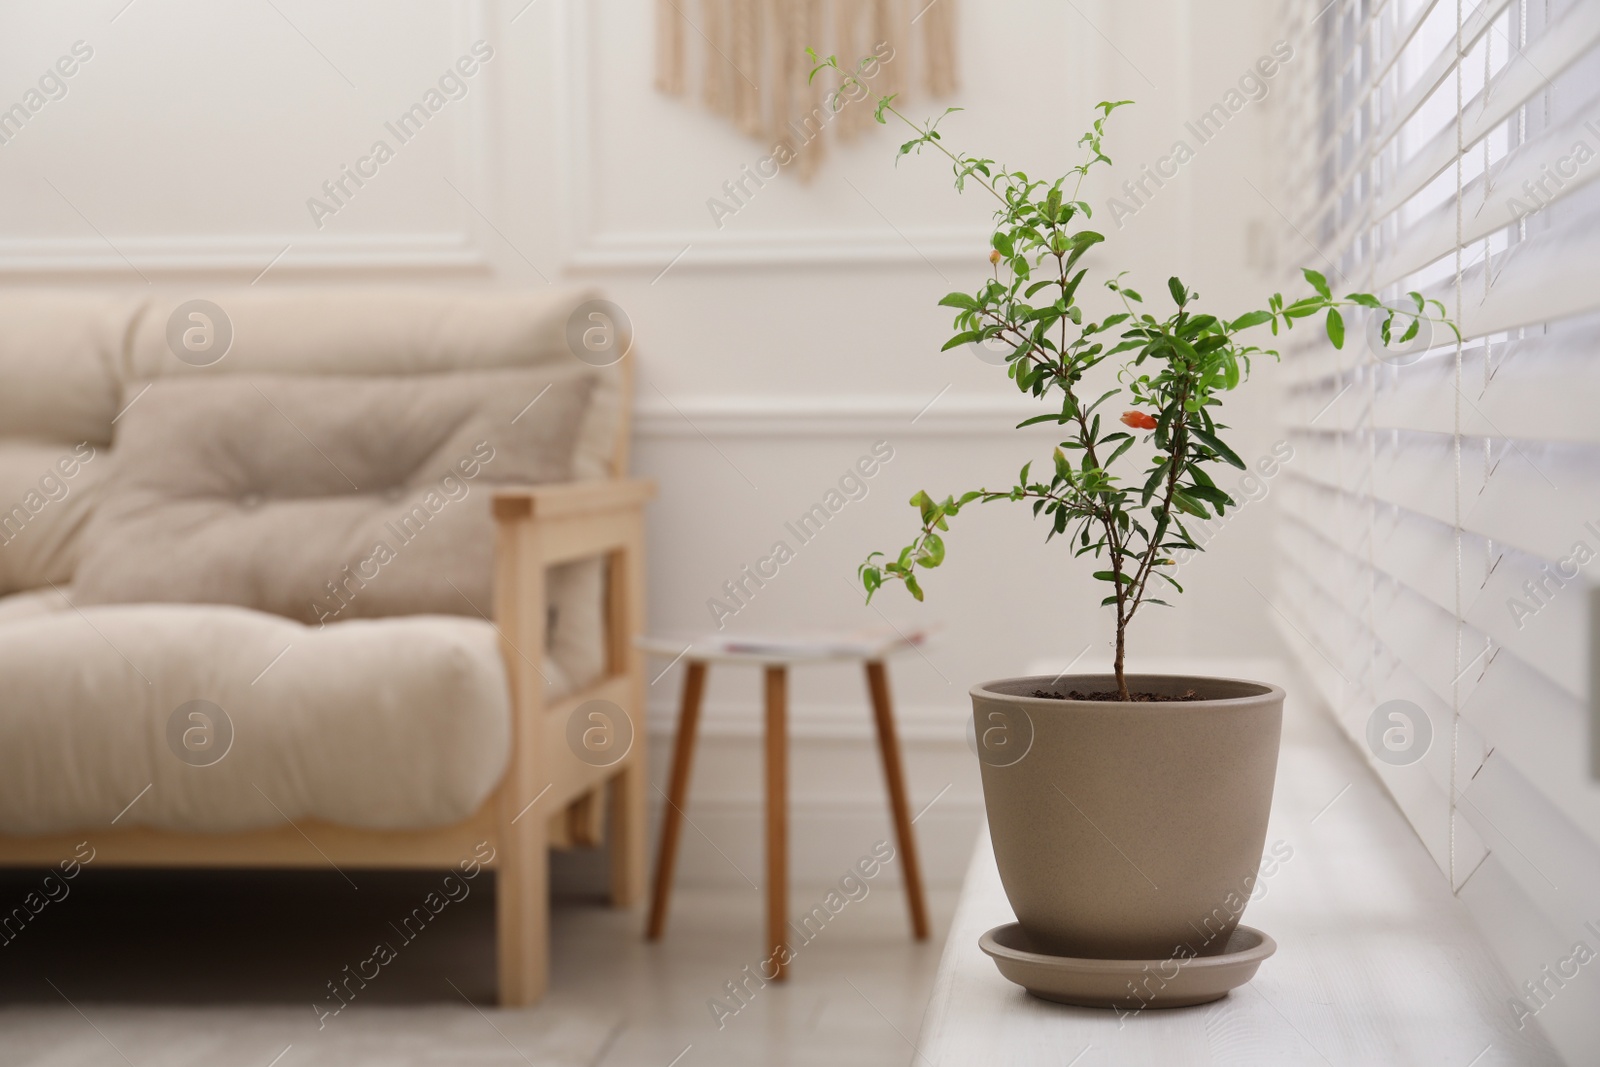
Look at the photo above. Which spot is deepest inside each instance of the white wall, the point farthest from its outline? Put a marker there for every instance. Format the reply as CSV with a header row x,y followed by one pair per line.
x,y
771,355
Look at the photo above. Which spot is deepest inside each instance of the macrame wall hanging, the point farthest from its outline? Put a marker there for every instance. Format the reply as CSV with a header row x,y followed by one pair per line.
x,y
752,63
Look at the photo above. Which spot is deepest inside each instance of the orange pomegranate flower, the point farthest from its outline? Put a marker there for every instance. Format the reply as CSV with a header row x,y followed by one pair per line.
x,y
1139,420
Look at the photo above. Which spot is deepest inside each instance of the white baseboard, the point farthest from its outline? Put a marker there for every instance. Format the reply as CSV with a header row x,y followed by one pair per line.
x,y
763,417
722,843
838,804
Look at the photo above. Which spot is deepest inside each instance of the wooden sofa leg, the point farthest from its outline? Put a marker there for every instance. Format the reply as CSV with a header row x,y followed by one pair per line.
x,y
627,837
522,913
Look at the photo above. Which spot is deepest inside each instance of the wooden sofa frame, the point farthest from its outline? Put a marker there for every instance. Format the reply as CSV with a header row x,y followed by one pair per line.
x,y
547,796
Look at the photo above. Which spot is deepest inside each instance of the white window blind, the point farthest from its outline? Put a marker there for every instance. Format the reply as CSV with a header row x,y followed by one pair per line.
x,y
1440,533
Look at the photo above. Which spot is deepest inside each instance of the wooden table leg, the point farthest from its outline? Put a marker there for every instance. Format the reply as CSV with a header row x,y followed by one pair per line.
x,y
777,739
694,687
894,775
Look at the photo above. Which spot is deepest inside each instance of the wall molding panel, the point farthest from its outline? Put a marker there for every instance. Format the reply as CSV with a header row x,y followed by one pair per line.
x,y
459,249
590,248
250,254
700,250
835,416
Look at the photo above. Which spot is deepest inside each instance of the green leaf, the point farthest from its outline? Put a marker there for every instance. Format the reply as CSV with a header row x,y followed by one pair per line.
x,y
1153,481
1249,319
1179,293
872,579
1318,282
1229,456
1211,495
959,300
1102,399
1189,505
1336,327
1082,241
932,553
912,586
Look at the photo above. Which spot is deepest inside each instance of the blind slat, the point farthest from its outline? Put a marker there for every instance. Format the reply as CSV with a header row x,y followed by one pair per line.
x,y
1424,801
1442,518
1540,510
1512,399
1541,746
1542,279
1545,59
1544,631
1327,146
1441,67
1433,237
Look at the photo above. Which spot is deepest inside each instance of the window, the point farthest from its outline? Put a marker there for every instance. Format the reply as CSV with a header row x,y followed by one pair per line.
x,y
1441,522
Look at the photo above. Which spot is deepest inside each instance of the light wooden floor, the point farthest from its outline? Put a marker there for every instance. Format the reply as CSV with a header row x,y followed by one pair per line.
x,y
158,970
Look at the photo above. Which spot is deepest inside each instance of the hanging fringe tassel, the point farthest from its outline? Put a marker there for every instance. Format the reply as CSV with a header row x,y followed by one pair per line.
x,y
782,92
747,64
939,48
670,73
754,69
813,96
851,47
885,30
718,74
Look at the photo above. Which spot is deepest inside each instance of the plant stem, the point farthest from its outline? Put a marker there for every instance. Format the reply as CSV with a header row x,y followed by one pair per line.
x,y
955,158
1122,679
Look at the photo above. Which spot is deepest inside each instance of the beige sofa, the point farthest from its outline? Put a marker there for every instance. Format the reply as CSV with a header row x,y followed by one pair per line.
x,y
170,694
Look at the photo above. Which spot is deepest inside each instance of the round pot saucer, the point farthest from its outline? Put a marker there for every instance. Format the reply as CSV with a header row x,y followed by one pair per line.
x,y
1126,984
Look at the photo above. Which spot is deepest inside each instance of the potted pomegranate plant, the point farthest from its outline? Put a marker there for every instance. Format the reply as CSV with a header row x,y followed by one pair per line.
x,y
1128,811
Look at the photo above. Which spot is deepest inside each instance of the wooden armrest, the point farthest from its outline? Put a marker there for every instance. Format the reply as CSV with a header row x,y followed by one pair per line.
x,y
567,499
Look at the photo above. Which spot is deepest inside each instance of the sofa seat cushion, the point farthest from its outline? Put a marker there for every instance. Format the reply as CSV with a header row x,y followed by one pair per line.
x,y
382,724
320,498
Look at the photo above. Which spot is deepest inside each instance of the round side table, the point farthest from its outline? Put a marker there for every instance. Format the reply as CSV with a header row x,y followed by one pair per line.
x,y
775,666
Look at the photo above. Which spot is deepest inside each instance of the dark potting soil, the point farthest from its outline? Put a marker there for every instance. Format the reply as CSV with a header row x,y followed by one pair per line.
x,y
1114,696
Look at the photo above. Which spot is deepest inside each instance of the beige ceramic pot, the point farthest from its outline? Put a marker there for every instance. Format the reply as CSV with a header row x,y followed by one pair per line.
x,y
1128,830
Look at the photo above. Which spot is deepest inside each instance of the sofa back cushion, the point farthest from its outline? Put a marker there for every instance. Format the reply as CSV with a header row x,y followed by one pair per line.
x,y
61,358
392,330
60,354
67,358
323,498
